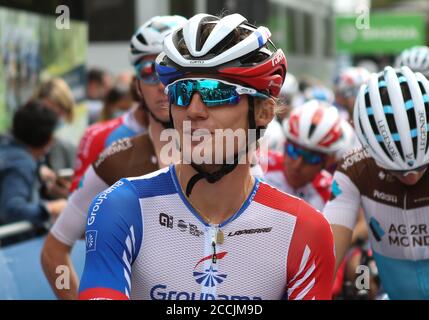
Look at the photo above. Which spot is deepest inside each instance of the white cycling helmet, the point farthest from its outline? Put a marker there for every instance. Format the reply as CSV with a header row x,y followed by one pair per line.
x,y
317,125
391,118
150,36
350,79
416,58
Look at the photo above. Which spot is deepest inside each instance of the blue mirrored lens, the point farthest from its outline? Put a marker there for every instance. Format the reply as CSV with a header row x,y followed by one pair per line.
x,y
212,92
309,157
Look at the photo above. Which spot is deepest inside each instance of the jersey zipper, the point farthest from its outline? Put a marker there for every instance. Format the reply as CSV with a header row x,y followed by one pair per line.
x,y
406,220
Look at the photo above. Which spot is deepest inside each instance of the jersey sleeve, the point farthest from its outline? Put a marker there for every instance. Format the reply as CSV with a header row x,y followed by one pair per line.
x,y
81,158
91,145
311,257
343,207
114,232
70,226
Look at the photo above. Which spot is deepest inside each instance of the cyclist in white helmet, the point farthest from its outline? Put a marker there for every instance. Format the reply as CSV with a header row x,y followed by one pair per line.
x,y
128,157
415,58
315,133
347,86
200,231
388,177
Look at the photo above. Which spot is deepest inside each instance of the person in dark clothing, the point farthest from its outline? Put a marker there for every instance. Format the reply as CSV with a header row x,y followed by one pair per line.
x,y
20,154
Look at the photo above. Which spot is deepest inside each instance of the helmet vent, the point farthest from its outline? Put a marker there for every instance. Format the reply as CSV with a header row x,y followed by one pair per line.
x,y
141,39
390,118
411,115
374,125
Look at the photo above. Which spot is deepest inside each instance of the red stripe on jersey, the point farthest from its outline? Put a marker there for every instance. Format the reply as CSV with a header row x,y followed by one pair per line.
x,y
276,199
313,236
102,294
219,256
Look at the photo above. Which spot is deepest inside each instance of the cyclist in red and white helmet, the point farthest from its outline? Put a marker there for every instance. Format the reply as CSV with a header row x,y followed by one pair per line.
x,y
198,219
315,134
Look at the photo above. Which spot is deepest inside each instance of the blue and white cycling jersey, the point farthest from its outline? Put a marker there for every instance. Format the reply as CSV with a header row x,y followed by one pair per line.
x,y
397,218
145,241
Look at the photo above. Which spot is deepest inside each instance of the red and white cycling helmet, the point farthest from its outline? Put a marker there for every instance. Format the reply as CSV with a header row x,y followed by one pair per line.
x,y
350,80
253,61
317,125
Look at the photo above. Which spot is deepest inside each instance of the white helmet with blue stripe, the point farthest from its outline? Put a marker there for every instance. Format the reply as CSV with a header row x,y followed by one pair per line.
x,y
391,118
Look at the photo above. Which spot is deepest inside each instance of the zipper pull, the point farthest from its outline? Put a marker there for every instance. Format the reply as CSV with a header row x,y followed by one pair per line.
x,y
214,256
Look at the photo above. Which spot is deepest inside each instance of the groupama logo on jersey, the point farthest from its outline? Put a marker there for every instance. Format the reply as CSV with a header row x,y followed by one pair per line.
x,y
209,277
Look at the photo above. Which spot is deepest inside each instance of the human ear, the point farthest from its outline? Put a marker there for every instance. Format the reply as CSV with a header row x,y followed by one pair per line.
x,y
264,112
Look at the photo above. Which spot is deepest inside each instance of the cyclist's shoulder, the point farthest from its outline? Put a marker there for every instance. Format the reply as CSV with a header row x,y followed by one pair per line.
x,y
356,162
154,184
102,126
127,157
293,210
97,133
280,201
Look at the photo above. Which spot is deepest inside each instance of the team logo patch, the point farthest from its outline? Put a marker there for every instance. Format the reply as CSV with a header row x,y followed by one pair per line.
x,y
91,240
209,277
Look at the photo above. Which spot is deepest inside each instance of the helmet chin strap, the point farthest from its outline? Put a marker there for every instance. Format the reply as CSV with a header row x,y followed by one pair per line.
x,y
165,124
213,177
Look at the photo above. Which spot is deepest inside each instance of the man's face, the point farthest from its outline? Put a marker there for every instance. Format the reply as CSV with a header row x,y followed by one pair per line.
x,y
198,116
152,91
212,118
301,165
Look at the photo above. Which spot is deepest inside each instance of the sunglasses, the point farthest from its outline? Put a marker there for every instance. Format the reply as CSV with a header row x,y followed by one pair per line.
x,y
213,92
405,173
309,157
145,71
